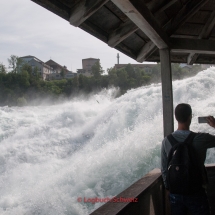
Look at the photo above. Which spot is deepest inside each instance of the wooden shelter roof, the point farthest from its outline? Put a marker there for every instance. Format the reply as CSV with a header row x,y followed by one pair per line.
x,y
139,28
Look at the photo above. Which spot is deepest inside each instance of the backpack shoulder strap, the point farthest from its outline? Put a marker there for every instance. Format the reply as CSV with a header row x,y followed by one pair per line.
x,y
172,140
190,137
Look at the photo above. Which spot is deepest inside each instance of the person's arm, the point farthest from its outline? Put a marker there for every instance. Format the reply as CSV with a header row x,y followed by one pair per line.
x,y
211,121
206,138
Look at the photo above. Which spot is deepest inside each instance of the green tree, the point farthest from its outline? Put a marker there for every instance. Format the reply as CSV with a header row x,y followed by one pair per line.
x,y
112,76
26,67
3,68
63,73
68,88
82,81
24,79
132,83
97,70
75,83
139,77
176,71
130,71
21,102
122,79
156,73
146,79
104,81
14,63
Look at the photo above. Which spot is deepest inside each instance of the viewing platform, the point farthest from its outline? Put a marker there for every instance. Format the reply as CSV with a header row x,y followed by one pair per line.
x,y
151,196
154,31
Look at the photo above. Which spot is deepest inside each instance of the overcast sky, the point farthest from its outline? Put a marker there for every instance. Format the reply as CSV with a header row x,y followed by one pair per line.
x,y
29,29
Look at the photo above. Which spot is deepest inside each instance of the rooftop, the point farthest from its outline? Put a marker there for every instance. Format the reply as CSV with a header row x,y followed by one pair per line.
x,y
138,28
90,58
54,64
35,58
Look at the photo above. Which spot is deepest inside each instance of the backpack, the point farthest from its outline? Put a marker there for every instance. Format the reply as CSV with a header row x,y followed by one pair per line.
x,y
183,172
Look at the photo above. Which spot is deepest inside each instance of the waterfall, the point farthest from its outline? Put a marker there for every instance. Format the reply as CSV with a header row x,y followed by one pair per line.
x,y
94,146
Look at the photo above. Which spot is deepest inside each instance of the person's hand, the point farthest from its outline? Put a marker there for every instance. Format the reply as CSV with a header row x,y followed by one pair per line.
x,y
211,121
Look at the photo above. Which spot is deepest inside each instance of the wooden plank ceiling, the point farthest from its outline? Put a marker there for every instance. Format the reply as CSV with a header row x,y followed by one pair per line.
x,y
139,28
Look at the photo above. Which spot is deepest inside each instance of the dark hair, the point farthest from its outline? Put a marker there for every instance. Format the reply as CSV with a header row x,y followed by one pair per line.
x,y
183,112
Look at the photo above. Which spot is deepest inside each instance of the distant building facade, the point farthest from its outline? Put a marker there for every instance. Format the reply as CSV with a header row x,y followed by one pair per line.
x,y
87,65
49,70
206,66
186,66
59,72
146,67
43,69
70,74
57,67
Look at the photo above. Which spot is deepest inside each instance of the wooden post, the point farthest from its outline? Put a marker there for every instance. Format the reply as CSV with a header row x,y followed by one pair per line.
x,y
166,78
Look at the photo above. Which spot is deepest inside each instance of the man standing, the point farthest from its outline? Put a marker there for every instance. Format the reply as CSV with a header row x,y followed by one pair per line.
x,y
196,202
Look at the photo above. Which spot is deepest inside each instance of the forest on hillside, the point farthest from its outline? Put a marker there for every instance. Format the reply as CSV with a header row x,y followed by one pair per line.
x,y
23,85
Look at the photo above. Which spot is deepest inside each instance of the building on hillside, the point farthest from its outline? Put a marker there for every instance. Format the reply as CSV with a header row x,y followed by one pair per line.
x,y
70,74
57,67
149,67
186,66
43,69
146,67
206,66
59,72
201,66
59,76
87,66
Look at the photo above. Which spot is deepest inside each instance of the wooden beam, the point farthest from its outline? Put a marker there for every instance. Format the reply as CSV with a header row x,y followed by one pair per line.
x,y
121,33
192,57
175,58
166,6
125,50
83,10
205,33
146,51
94,30
192,45
206,59
141,16
149,48
167,95
187,11
128,28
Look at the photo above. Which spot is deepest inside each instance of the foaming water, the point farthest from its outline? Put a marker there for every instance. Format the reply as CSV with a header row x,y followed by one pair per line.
x,y
94,147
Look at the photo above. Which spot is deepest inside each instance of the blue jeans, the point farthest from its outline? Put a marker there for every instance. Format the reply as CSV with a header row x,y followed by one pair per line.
x,y
196,205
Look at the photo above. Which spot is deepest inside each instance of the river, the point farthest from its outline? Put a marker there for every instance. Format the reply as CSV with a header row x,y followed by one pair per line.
x,y
93,146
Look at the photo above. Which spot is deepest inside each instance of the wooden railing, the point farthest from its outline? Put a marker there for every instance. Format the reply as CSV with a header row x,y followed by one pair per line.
x,y
150,197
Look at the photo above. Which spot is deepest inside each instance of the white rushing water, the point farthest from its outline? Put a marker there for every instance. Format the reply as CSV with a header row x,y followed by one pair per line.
x,y
94,147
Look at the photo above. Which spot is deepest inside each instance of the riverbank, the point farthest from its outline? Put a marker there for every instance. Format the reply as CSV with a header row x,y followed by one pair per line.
x,y
27,87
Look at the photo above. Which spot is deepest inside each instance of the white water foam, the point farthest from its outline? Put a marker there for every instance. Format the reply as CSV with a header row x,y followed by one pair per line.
x,y
97,147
